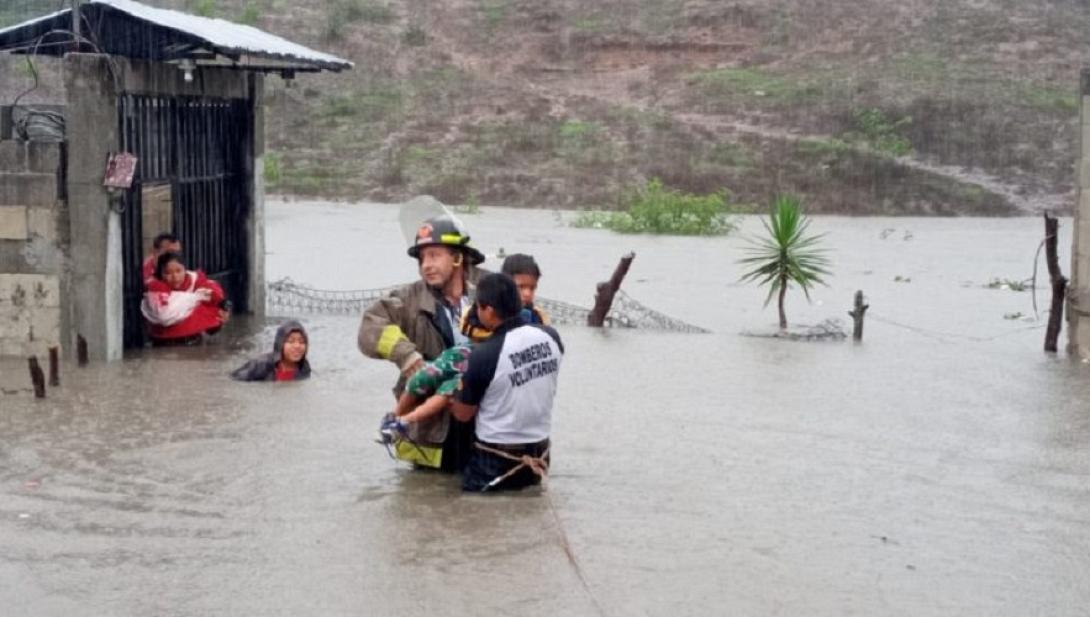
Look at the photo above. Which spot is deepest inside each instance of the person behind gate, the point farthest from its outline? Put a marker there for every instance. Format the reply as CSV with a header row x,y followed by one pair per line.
x,y
509,388
165,242
180,306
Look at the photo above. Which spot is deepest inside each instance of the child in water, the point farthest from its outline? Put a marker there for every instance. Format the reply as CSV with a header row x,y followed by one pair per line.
x,y
286,362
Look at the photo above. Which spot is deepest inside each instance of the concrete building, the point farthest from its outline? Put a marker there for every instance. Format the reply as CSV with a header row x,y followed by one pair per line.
x,y
1078,294
184,94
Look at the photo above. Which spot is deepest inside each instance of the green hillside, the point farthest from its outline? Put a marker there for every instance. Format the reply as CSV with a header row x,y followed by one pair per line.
x,y
862,106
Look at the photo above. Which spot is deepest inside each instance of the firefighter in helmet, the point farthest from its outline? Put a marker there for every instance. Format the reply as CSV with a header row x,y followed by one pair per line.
x,y
416,322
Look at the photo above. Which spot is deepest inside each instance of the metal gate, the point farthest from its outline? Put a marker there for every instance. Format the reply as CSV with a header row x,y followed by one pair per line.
x,y
200,147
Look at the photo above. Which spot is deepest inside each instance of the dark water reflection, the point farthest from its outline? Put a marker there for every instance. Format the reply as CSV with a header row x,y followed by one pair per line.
x,y
694,474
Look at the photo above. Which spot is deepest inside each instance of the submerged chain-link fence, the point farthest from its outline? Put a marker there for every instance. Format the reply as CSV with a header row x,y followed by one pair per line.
x,y
289,299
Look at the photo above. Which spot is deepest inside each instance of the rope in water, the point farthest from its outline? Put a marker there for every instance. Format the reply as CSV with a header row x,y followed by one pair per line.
x,y
537,464
565,545
540,466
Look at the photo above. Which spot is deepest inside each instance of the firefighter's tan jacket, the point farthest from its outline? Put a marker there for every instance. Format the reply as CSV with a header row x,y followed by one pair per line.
x,y
403,328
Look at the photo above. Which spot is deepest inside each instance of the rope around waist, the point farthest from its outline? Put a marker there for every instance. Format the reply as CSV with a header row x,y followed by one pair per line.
x,y
537,464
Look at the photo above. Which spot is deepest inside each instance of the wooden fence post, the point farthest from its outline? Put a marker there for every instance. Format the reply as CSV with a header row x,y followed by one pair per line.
x,y
81,350
603,300
1059,283
857,315
54,367
37,377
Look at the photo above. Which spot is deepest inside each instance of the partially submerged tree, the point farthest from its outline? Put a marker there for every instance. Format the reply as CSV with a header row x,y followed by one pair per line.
x,y
787,255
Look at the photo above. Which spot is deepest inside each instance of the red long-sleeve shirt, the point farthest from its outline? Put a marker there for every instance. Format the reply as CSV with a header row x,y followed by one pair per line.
x,y
203,318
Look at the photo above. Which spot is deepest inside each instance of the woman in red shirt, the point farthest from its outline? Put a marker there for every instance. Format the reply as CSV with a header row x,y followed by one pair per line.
x,y
180,305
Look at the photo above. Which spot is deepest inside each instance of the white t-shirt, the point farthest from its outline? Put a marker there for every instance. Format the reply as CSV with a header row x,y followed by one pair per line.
x,y
512,379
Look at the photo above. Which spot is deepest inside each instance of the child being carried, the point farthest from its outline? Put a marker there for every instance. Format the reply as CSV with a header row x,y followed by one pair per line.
x,y
430,389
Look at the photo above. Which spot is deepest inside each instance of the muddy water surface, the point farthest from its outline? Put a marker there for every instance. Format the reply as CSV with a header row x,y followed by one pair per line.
x,y
941,468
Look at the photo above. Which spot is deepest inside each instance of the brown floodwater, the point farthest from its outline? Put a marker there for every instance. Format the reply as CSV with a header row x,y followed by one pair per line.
x,y
940,468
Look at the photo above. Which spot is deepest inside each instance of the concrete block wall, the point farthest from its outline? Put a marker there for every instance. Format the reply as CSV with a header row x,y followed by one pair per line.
x,y
30,314
32,260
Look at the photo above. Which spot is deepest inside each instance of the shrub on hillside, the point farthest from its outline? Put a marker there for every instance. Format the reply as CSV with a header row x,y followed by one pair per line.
x,y
250,15
880,132
415,36
656,209
344,12
272,169
204,8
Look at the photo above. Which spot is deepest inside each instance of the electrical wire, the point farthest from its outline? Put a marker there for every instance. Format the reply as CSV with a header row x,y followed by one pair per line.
x,y
949,337
42,125
1033,283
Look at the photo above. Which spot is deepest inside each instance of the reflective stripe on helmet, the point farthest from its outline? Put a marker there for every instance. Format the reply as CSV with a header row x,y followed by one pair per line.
x,y
452,238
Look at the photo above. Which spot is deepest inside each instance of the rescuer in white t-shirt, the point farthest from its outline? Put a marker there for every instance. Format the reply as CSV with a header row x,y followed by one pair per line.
x,y
509,386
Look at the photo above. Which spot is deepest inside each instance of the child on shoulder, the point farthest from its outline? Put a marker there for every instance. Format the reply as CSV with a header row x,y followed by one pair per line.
x,y
526,273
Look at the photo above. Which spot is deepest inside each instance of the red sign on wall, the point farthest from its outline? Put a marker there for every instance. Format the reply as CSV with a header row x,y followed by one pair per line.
x,y
120,170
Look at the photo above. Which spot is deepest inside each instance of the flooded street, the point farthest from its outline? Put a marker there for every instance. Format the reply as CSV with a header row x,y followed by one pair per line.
x,y
940,468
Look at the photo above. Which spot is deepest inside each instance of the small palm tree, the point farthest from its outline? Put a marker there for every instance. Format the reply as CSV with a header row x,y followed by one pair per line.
x,y
787,255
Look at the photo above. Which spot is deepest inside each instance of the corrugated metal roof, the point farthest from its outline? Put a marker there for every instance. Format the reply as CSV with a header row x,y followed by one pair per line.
x,y
222,36
32,22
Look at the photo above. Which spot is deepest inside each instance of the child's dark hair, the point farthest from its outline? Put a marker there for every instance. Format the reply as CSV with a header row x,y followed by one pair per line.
x,y
157,243
499,292
164,259
520,264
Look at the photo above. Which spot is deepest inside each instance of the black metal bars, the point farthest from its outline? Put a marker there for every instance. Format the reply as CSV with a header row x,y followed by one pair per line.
x,y
197,146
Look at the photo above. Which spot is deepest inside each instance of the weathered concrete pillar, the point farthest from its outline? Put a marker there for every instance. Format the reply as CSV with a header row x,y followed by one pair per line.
x,y
1078,306
91,119
256,223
